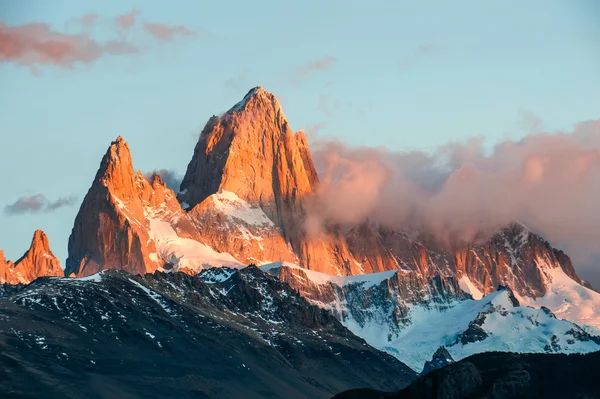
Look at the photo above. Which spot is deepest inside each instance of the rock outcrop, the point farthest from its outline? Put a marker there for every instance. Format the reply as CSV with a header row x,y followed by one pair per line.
x,y
38,261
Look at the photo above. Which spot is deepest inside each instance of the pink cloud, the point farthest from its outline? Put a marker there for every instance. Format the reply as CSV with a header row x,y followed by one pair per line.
x,y
89,19
126,21
164,32
37,44
549,182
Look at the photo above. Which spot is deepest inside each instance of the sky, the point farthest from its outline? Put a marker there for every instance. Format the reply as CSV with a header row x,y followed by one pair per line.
x,y
404,75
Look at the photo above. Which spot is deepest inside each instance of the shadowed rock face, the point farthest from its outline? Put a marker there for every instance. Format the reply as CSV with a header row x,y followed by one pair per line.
x,y
503,376
36,262
440,358
223,333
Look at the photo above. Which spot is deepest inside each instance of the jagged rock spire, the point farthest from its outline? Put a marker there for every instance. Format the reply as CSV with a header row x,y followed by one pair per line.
x,y
38,261
108,232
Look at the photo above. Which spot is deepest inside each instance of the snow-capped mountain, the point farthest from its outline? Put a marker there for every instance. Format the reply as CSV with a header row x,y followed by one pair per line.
x,y
243,201
408,317
223,333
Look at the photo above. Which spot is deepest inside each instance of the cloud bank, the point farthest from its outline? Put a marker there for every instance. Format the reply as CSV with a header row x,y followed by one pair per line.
x,y
549,182
38,44
37,203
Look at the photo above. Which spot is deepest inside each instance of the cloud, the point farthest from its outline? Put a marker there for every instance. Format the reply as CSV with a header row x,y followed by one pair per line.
x,y
37,203
549,182
419,52
170,177
164,32
312,132
530,122
37,44
318,65
126,21
89,20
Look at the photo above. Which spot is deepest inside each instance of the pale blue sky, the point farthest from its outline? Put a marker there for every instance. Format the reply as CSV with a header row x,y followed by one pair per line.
x,y
408,75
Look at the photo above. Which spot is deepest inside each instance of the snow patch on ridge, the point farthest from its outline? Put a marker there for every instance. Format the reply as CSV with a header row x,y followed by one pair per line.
x,y
467,286
568,300
185,252
367,280
233,206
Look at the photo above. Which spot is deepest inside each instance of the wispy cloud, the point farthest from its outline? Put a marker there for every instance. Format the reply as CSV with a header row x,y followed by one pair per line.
x,y
318,65
37,203
36,44
164,32
530,122
126,21
89,19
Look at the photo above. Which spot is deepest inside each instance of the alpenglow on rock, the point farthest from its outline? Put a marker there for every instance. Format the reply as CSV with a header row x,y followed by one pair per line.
x,y
38,261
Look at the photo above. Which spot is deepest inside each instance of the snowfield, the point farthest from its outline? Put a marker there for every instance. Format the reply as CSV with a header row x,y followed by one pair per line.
x,y
185,252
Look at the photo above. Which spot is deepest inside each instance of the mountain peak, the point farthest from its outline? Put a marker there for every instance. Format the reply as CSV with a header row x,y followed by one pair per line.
x,y
251,152
116,169
39,243
38,261
259,98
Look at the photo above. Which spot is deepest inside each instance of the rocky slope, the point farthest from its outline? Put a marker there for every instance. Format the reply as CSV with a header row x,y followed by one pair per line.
x,y
36,262
223,333
502,376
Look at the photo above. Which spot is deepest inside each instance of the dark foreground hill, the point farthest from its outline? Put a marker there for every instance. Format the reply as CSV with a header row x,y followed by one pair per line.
x,y
221,334
503,376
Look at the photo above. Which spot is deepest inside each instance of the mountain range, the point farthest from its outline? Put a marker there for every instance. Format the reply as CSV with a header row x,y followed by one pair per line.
x,y
152,270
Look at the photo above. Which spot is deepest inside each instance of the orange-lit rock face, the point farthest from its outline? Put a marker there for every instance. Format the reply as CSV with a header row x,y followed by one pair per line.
x,y
111,230
252,152
38,261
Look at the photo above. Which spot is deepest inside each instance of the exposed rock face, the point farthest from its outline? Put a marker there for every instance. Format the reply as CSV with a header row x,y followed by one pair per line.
x,y
38,261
